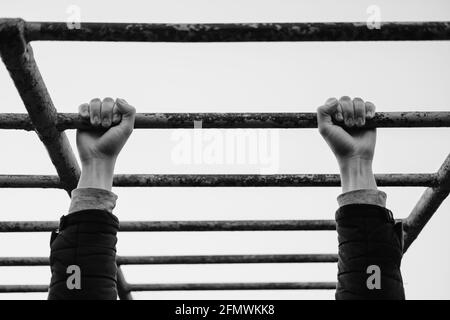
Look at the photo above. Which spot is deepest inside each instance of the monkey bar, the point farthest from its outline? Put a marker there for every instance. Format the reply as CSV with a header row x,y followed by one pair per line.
x,y
42,117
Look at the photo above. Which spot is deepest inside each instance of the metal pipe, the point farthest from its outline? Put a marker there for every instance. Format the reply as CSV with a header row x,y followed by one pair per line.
x,y
185,226
224,180
196,286
427,205
202,259
18,58
65,121
238,32
235,286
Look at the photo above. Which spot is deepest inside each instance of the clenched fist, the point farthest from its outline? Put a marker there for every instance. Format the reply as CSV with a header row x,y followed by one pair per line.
x,y
113,123
341,123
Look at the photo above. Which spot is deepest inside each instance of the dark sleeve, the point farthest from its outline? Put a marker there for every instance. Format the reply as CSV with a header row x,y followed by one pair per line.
x,y
368,236
86,239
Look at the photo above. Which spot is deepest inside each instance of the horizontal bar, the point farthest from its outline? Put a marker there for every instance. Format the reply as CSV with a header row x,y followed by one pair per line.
x,y
427,205
202,259
234,286
238,32
185,226
225,180
65,121
196,286
13,288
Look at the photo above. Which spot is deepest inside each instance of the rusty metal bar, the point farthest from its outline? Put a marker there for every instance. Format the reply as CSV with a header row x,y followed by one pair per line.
x,y
196,286
18,58
65,121
235,286
185,226
225,180
11,288
202,259
427,205
238,32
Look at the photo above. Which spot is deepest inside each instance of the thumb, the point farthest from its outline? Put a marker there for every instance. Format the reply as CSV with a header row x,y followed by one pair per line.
x,y
128,113
325,115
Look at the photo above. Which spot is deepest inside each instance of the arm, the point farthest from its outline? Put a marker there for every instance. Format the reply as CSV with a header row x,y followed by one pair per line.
x,y
83,250
370,242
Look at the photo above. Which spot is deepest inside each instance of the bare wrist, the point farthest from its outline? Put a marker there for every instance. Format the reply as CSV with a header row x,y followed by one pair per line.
x,y
97,173
357,174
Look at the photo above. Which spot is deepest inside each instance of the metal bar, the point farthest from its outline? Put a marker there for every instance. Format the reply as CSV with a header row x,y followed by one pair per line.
x,y
427,205
203,259
18,58
225,180
196,286
235,286
238,32
185,226
65,121
10,288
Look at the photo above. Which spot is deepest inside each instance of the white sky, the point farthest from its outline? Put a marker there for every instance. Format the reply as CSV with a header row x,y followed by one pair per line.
x,y
234,77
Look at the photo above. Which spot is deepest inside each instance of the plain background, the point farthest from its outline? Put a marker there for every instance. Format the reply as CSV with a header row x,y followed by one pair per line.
x,y
234,77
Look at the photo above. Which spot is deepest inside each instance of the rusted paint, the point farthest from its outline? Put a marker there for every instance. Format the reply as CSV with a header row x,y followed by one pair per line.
x,y
67,121
196,286
204,259
224,180
238,32
185,226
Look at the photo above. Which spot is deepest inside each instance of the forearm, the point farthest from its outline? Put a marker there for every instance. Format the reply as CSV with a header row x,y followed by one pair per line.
x,y
97,173
369,239
356,174
87,239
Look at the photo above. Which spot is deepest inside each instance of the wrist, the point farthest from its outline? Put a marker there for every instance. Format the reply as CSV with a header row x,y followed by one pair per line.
x,y
97,173
356,174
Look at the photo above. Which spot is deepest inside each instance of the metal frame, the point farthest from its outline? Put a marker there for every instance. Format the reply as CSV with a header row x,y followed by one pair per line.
x,y
42,117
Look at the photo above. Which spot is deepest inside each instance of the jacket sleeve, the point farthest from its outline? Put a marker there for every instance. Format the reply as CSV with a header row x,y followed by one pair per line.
x,y
370,253
83,255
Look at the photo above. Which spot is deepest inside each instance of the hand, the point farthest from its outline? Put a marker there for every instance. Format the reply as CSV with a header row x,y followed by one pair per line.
x,y
341,124
113,123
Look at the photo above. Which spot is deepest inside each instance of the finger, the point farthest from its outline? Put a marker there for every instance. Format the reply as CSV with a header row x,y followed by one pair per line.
x,y
117,116
339,115
83,111
348,111
95,108
107,112
360,112
370,110
325,113
128,113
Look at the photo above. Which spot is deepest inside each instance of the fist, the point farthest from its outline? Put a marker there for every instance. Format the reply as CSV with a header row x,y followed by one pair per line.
x,y
112,122
341,123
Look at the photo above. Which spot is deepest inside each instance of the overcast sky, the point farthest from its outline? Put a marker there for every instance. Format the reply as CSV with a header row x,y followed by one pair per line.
x,y
234,77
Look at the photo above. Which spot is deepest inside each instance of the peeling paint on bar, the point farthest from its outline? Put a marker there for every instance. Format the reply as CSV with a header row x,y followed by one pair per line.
x,y
205,259
195,286
238,32
234,286
185,226
225,180
67,121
